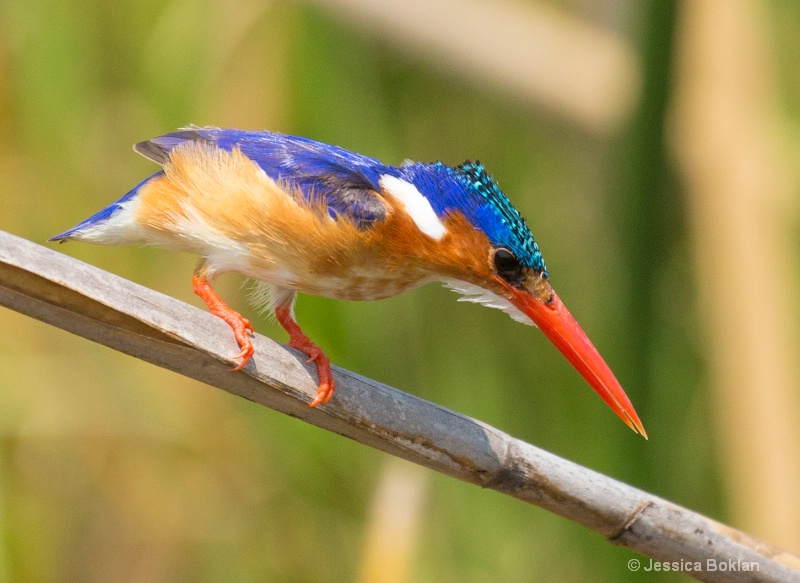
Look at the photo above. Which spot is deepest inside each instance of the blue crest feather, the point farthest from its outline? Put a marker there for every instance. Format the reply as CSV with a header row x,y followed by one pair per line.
x,y
470,190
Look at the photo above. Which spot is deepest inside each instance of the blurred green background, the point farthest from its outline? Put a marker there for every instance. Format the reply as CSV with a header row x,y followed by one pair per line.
x,y
114,470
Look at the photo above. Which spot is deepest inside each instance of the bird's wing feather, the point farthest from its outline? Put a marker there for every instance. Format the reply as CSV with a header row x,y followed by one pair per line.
x,y
347,182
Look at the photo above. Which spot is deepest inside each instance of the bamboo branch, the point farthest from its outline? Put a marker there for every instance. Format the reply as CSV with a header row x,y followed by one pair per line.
x,y
87,301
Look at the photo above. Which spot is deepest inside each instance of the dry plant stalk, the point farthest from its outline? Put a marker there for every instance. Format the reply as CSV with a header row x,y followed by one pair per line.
x,y
87,301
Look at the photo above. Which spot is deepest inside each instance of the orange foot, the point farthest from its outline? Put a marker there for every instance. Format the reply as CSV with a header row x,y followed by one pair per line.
x,y
242,328
298,340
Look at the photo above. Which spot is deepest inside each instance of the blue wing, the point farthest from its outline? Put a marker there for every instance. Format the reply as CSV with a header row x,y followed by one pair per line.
x,y
347,181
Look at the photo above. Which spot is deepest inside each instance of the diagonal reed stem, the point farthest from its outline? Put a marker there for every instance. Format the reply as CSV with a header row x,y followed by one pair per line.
x,y
100,306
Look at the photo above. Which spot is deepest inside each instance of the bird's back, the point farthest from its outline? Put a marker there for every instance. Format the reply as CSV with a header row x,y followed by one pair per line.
x,y
344,180
222,205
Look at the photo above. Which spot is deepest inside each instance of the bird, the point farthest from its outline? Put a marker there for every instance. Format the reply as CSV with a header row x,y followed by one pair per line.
x,y
298,215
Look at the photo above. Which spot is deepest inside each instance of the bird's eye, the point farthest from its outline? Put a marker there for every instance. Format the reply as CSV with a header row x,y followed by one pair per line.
x,y
505,261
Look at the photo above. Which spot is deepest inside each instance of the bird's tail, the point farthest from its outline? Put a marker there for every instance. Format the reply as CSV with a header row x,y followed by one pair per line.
x,y
113,225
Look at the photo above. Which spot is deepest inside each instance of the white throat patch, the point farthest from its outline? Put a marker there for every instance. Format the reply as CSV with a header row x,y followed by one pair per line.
x,y
473,293
417,206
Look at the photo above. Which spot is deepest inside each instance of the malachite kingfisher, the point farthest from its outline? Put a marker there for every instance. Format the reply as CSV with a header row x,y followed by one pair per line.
x,y
297,215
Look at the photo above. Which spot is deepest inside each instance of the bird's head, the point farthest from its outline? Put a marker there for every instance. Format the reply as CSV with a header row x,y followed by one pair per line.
x,y
483,249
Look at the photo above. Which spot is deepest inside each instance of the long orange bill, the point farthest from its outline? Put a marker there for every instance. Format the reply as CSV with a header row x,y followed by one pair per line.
x,y
563,331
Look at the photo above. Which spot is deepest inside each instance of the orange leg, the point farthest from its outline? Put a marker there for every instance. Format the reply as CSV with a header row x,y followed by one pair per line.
x,y
241,326
298,340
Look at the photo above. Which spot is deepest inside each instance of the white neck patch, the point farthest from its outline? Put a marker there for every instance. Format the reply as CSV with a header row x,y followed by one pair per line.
x,y
417,206
473,293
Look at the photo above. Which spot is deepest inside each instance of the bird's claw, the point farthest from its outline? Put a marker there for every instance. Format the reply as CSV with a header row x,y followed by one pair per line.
x,y
326,383
242,328
246,354
324,393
